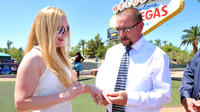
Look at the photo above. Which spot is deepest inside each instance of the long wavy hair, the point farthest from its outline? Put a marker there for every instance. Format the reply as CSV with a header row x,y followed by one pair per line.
x,y
43,33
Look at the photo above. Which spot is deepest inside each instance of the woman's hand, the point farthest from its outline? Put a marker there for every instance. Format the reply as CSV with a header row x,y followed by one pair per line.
x,y
106,100
97,94
73,91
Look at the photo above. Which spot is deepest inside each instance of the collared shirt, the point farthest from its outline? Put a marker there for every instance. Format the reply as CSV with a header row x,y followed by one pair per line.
x,y
190,84
148,82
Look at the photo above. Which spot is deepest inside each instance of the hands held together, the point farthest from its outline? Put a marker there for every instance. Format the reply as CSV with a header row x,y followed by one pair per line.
x,y
104,97
191,105
119,98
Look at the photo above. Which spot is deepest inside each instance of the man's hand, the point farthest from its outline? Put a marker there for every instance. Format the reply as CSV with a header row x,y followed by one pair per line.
x,y
191,105
197,106
119,98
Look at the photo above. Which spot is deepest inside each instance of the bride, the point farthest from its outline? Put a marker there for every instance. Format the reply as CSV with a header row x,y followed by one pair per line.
x,y
45,80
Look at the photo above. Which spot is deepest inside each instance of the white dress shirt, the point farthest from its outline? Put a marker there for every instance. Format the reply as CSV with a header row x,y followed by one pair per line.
x,y
148,82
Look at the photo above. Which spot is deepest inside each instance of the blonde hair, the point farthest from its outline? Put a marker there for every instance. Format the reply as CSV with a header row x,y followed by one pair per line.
x,y
43,34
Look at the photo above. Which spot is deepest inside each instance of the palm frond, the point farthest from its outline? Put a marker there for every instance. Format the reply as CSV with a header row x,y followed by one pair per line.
x,y
192,36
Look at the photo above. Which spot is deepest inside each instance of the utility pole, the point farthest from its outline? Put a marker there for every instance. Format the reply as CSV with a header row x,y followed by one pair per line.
x,y
171,57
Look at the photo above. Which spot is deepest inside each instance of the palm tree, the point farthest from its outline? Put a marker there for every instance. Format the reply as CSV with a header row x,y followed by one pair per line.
x,y
164,42
158,42
82,43
192,37
151,41
9,43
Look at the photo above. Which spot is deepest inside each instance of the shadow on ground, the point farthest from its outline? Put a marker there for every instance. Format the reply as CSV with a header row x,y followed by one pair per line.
x,y
84,79
176,78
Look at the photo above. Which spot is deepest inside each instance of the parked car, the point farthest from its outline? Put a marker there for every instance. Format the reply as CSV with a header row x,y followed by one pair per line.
x,y
14,67
8,68
5,68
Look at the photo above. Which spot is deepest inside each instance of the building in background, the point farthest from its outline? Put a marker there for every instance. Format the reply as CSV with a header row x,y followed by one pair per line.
x,y
7,64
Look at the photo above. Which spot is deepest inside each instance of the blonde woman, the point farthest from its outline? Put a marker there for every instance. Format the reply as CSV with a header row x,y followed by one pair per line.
x,y
45,80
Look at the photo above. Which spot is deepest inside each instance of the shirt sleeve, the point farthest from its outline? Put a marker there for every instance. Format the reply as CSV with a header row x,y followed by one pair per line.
x,y
160,93
188,78
102,72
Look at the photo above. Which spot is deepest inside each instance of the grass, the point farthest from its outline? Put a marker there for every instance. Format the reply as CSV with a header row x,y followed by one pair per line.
x,y
175,94
83,103
7,97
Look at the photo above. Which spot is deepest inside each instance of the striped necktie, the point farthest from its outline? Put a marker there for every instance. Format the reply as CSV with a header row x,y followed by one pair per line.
x,y
121,78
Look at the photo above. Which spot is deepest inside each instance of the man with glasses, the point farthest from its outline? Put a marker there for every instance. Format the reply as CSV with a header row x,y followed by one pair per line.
x,y
135,74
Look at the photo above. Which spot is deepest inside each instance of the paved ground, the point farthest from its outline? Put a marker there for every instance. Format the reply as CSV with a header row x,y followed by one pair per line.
x,y
174,74
172,109
7,79
177,74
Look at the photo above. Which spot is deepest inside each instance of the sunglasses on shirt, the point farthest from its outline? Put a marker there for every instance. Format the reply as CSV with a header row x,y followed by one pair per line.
x,y
63,30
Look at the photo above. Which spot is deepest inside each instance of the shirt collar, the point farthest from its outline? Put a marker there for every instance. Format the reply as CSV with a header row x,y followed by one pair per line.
x,y
139,43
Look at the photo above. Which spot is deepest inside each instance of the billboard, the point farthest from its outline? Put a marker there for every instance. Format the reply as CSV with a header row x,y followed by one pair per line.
x,y
154,12
112,33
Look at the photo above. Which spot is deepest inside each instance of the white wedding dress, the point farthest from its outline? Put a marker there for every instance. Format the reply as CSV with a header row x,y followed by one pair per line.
x,y
49,84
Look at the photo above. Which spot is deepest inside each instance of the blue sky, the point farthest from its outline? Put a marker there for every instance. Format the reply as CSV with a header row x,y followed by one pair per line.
x,y
86,18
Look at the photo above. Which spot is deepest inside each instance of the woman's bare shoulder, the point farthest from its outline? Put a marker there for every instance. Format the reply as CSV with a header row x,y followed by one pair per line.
x,y
33,60
34,56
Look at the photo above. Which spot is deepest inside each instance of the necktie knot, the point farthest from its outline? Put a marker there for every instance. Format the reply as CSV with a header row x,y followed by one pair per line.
x,y
128,49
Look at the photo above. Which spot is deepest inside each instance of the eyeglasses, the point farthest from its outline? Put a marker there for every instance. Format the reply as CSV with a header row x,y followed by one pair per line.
x,y
127,29
63,30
